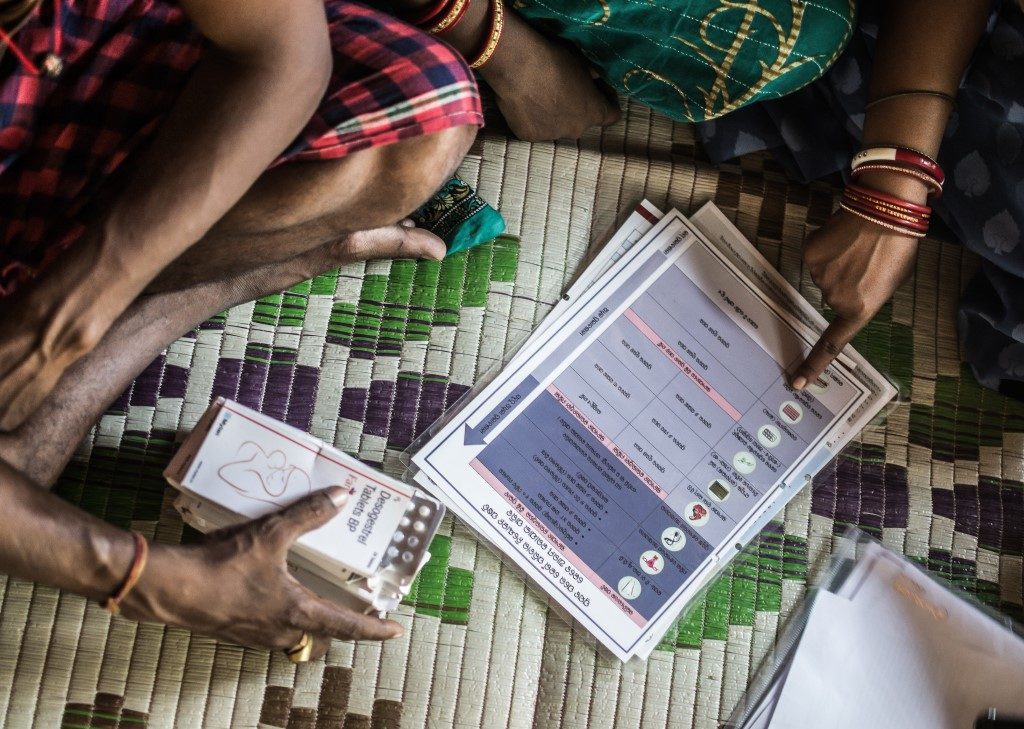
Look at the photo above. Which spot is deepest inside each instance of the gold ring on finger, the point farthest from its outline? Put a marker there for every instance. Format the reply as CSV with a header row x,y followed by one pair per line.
x,y
301,651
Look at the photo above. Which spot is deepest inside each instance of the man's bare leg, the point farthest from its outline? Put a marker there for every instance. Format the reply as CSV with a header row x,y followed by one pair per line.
x,y
297,207
41,447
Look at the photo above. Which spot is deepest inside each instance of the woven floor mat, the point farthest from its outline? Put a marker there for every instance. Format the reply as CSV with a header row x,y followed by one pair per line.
x,y
369,356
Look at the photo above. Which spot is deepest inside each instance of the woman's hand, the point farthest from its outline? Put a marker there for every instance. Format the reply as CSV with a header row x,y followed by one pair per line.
x,y
858,266
235,585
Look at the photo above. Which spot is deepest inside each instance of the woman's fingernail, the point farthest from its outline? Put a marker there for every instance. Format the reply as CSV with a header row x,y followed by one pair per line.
x,y
339,496
799,382
407,223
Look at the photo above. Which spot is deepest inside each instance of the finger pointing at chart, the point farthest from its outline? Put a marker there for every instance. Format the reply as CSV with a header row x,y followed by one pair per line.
x,y
832,341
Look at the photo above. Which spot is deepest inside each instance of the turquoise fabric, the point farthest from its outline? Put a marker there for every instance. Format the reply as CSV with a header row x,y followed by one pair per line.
x,y
694,60
459,217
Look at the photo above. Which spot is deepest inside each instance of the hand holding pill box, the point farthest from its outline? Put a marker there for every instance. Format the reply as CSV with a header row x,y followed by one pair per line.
x,y
239,464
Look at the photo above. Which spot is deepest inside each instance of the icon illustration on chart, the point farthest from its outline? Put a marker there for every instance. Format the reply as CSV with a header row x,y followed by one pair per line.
x,y
629,587
791,412
673,539
719,490
744,462
697,514
769,436
651,562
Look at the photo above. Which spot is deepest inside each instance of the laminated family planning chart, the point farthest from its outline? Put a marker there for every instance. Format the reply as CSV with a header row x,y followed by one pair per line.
x,y
634,445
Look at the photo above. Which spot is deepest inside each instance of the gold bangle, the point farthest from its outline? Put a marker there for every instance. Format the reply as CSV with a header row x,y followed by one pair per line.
x,y
497,25
450,18
301,651
914,92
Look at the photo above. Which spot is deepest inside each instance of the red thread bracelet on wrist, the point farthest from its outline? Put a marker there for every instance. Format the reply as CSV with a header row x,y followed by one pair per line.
x,y
113,603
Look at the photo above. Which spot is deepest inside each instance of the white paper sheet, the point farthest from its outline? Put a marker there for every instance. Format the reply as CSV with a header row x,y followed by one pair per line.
x,y
893,649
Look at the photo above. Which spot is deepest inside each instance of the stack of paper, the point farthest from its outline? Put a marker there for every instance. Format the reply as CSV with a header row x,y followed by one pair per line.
x,y
890,648
646,431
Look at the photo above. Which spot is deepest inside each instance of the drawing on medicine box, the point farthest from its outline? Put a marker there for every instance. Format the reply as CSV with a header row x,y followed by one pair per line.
x,y
264,476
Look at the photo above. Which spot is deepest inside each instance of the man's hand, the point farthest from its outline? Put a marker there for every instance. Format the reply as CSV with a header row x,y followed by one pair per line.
x,y
260,79
235,585
858,266
544,87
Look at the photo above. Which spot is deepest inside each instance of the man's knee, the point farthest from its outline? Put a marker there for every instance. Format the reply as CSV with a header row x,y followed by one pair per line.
x,y
411,171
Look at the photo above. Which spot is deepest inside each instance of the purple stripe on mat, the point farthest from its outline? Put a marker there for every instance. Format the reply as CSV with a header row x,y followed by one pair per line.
x,y
1001,526
175,381
279,383
965,500
432,396
403,419
943,503
991,520
120,405
353,404
303,399
897,496
148,383
857,489
378,408
253,380
225,381
453,394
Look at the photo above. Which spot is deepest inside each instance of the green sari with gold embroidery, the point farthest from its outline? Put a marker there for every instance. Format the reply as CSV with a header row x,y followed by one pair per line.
x,y
695,60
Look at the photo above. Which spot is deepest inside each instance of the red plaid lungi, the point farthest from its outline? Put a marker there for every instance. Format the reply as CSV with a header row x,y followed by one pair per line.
x,y
125,64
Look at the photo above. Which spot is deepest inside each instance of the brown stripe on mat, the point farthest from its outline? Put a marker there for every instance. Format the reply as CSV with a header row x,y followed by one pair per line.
x,y
277,705
337,682
386,714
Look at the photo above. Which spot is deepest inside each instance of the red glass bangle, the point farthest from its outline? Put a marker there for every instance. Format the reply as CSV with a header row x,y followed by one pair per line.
x,y
888,216
869,192
900,154
867,199
432,12
896,228
454,13
454,17
934,187
497,24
